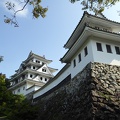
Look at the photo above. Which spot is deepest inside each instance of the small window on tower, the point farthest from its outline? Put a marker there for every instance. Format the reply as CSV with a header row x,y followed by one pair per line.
x,y
117,50
24,88
45,79
79,57
74,63
31,75
99,46
18,90
44,70
85,51
108,47
41,78
34,67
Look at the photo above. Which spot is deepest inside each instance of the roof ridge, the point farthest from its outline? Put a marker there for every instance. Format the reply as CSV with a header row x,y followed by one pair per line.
x,y
104,18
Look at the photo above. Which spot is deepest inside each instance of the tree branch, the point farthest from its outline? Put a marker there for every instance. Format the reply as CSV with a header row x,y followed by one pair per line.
x,y
22,8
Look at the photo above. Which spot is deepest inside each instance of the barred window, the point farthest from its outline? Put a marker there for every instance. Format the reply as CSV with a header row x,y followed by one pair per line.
x,y
99,47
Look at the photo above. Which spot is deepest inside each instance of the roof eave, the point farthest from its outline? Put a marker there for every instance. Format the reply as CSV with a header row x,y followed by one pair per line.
x,y
87,32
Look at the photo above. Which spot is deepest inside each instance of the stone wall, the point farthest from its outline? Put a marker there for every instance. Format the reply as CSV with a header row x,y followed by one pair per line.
x,y
93,94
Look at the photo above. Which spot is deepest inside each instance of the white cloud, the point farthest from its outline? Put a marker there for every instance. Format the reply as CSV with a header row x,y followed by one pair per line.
x,y
18,6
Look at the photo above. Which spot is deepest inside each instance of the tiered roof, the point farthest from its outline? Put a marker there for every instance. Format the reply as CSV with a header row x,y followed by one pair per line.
x,y
90,25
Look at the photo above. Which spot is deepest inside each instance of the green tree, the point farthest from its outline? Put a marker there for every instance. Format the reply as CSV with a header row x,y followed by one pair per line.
x,y
1,58
8,101
37,10
96,6
15,107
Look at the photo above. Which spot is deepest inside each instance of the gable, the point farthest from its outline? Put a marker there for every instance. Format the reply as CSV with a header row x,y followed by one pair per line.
x,y
44,69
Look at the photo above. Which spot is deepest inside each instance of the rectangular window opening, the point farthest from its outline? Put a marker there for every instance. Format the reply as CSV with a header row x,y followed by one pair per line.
x,y
99,47
85,51
74,62
117,49
108,47
79,57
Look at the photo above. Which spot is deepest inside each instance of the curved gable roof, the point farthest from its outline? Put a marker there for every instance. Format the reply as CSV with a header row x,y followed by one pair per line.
x,y
88,18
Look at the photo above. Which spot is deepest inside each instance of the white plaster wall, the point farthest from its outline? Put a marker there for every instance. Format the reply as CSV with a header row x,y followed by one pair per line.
x,y
38,78
28,85
22,90
104,57
37,87
84,59
34,88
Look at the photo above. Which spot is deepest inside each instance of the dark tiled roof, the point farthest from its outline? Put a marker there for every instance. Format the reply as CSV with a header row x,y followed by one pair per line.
x,y
104,18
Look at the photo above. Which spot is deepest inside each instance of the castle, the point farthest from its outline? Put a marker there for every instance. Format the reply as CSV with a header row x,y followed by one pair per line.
x,y
95,39
32,74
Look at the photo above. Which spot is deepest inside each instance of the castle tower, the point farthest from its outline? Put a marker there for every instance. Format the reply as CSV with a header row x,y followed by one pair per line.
x,y
32,74
95,39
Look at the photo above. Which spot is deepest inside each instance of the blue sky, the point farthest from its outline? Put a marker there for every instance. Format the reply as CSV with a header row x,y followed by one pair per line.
x,y
43,36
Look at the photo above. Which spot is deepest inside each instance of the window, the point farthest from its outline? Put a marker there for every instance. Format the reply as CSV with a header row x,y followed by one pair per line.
x,y
41,78
45,79
18,90
74,63
24,88
31,75
37,61
79,57
44,70
108,47
99,46
117,49
85,51
34,67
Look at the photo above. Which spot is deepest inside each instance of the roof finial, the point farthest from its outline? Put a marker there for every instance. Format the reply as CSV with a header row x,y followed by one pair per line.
x,y
30,53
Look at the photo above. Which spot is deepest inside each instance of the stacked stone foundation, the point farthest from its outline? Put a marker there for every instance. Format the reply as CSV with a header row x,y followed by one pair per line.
x,y
93,94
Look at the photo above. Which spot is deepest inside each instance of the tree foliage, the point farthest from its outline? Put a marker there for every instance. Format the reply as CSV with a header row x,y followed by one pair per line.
x,y
1,58
15,107
96,6
37,10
